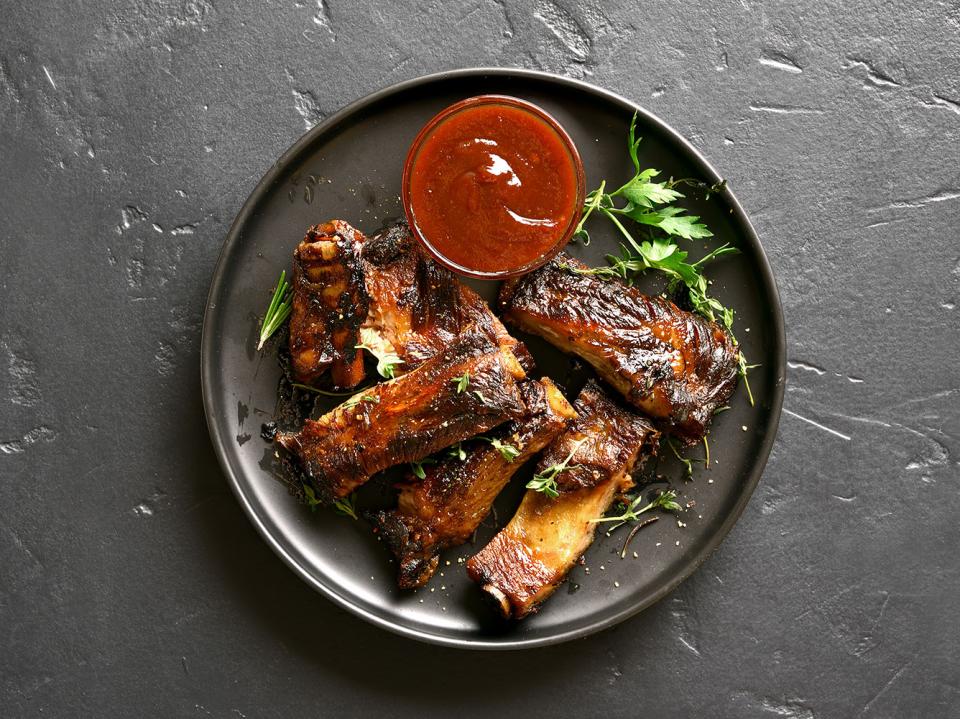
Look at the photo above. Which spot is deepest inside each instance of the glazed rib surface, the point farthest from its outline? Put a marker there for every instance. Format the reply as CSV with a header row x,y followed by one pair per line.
x,y
417,307
445,508
329,304
409,418
672,364
384,292
526,561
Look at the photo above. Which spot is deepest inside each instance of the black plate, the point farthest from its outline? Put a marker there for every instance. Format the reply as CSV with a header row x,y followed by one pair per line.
x,y
355,159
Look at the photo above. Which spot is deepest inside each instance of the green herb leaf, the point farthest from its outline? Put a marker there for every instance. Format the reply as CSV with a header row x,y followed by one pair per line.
x,y
281,304
358,398
670,220
666,501
508,451
457,451
687,463
311,497
463,381
643,193
648,203
546,481
346,506
386,361
417,467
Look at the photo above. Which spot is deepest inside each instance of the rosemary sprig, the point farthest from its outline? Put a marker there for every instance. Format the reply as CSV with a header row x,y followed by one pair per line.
x,y
386,361
665,500
278,311
546,481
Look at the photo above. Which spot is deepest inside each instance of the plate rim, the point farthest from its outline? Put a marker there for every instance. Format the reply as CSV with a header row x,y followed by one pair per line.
x,y
207,351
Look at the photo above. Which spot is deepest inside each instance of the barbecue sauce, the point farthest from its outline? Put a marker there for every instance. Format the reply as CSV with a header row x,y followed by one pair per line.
x,y
494,188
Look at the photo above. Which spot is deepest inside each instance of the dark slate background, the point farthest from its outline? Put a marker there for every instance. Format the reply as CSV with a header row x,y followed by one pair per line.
x,y
131,584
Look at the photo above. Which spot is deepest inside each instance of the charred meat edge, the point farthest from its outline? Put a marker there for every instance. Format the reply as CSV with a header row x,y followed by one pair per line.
x,y
672,364
417,307
445,508
329,303
408,418
526,561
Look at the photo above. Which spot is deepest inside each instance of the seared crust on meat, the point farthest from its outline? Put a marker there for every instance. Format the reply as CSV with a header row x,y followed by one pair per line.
x,y
605,436
408,418
418,307
445,508
526,561
672,364
329,304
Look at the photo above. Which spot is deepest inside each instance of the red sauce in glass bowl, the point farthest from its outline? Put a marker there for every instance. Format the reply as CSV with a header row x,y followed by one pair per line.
x,y
493,187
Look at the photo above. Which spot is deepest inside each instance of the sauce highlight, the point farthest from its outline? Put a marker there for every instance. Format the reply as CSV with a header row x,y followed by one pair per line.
x,y
493,188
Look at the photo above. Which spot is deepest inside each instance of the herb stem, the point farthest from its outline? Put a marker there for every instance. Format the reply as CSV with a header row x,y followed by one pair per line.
x,y
281,304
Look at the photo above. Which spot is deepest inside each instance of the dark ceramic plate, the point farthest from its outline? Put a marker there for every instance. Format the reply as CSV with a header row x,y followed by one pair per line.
x,y
350,167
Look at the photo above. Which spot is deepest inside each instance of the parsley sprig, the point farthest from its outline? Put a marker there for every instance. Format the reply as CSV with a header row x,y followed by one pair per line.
x,y
546,481
281,304
649,203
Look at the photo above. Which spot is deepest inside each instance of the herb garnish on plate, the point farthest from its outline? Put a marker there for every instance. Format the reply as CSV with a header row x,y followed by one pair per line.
x,y
650,204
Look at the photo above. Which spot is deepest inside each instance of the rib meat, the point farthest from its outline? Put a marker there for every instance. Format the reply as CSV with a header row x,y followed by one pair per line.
x,y
409,418
417,308
445,508
673,365
526,561
385,292
329,304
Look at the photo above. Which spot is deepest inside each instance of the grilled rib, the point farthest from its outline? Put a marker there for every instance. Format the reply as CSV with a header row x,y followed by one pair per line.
x,y
673,365
408,418
417,308
384,292
329,304
526,561
445,508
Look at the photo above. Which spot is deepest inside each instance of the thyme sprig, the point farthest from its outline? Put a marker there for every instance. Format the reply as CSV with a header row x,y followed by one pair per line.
x,y
386,361
345,506
462,382
666,501
546,481
508,451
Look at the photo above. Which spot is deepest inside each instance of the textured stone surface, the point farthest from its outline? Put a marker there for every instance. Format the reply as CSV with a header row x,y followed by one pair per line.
x,y
131,584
